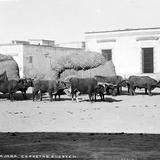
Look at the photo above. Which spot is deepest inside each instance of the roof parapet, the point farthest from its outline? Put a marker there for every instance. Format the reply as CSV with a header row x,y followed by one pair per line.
x,y
19,42
123,30
42,42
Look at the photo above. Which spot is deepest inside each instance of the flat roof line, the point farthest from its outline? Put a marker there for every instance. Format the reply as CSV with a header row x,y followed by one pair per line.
x,y
122,30
55,47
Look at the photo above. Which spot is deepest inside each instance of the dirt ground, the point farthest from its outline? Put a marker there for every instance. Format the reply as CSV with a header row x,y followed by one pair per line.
x,y
128,114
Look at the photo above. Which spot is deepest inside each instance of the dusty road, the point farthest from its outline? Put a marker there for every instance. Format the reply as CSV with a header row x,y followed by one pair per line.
x,y
129,114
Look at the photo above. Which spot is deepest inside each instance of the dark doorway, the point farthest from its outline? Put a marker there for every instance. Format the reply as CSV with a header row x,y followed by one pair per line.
x,y
147,60
107,53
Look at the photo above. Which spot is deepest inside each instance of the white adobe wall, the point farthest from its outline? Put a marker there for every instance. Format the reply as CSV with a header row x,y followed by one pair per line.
x,y
16,51
40,63
126,56
126,51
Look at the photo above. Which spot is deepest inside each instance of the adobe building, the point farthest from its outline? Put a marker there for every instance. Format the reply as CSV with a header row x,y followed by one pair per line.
x,y
34,56
133,51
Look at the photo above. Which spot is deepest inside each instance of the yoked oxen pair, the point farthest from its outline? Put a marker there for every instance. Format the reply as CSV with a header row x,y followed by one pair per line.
x,y
113,84
145,82
53,87
84,86
10,86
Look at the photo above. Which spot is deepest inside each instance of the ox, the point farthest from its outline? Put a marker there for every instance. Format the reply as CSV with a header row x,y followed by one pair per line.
x,y
50,86
101,90
142,82
82,86
61,86
26,83
11,87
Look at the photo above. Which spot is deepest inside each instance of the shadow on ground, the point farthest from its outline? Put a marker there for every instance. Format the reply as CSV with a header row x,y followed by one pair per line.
x,y
19,97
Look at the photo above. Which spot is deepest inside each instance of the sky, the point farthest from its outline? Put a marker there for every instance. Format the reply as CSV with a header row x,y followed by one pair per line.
x,y
68,20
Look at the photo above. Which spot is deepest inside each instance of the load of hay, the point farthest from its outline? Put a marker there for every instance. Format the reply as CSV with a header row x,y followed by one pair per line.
x,y
77,61
8,64
106,69
83,64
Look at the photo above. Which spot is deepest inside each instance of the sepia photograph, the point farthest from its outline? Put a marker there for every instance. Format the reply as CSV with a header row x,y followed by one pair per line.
x,y
80,79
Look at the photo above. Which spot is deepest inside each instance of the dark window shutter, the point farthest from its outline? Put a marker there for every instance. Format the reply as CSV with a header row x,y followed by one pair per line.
x,y
107,53
147,60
